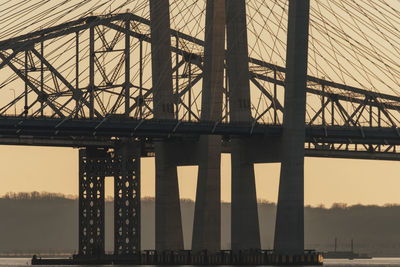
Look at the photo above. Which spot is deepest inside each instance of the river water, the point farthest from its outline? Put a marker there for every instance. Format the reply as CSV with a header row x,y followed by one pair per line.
x,y
378,262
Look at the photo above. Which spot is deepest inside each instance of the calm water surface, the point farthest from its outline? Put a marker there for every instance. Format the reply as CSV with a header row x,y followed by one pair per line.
x,y
378,262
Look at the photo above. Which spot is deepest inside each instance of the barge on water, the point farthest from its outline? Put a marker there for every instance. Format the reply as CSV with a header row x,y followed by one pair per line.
x,y
349,254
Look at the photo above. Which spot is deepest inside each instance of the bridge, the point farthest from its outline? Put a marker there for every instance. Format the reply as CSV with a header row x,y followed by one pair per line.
x,y
184,82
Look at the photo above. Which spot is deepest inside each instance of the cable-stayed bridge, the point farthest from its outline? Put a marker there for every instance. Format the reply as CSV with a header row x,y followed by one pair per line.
x,y
185,81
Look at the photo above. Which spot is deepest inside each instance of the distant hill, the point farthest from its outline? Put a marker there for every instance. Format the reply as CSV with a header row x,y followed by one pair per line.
x,y
43,223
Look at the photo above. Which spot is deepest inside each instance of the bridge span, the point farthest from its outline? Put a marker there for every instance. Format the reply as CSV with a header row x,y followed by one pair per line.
x,y
119,87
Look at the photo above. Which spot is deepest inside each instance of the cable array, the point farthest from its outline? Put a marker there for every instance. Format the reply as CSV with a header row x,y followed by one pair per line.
x,y
350,43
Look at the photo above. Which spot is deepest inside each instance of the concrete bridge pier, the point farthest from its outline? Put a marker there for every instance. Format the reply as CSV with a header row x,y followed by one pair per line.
x,y
207,215
245,233
169,235
289,230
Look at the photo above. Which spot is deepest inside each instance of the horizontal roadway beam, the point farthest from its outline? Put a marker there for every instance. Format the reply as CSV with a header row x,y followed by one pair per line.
x,y
82,128
68,142
314,153
58,133
55,142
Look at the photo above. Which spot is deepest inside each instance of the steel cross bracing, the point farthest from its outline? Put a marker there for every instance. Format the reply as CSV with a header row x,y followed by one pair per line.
x,y
95,164
92,165
108,94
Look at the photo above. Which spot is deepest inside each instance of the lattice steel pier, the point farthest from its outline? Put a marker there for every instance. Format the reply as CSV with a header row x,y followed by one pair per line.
x,y
123,164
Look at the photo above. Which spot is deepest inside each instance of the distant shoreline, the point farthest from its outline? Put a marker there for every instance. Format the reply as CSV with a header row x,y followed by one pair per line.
x,y
47,224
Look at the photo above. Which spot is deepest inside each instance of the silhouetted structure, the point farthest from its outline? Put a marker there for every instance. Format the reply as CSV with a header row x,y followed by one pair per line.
x,y
289,229
136,121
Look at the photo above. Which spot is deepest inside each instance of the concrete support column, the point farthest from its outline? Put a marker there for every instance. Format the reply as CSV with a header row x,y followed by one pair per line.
x,y
245,233
169,235
289,230
207,216
92,171
126,166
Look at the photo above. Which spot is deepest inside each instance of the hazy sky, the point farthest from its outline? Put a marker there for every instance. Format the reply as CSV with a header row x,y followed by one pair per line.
x,y
326,180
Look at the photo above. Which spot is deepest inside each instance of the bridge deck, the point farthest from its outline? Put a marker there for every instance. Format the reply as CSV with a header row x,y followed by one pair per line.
x,y
321,141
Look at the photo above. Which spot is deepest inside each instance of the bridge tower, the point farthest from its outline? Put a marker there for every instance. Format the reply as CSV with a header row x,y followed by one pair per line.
x,y
289,230
169,235
245,232
207,215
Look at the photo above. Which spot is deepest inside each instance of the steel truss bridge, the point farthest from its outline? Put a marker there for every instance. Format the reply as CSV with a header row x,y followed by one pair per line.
x,y
112,106
369,129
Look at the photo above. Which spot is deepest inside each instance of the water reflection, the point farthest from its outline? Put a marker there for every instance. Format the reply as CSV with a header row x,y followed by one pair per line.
x,y
392,262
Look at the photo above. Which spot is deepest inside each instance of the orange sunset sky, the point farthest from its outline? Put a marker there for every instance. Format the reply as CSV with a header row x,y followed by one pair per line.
x,y
327,181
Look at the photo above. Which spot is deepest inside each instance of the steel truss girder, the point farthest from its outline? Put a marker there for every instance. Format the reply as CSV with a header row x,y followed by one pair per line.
x,y
353,151
31,85
27,43
345,125
383,102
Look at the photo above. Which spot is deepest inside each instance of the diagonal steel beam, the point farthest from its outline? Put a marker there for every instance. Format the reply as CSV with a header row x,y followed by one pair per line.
x,y
188,109
319,111
101,70
146,38
265,92
149,92
344,113
30,84
64,81
7,59
192,83
356,111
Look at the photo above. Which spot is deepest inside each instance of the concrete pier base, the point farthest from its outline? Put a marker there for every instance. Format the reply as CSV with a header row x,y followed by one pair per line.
x,y
245,233
169,235
207,217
